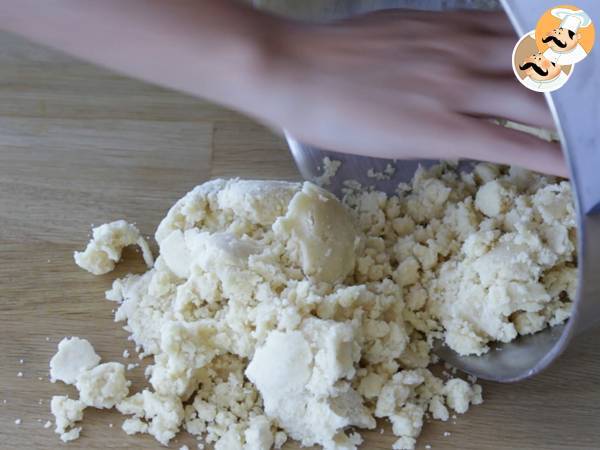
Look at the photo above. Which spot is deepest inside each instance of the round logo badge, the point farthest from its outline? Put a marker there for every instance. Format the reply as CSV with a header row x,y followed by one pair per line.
x,y
534,70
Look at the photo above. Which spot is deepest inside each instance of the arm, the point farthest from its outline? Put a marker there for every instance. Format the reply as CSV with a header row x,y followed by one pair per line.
x,y
395,84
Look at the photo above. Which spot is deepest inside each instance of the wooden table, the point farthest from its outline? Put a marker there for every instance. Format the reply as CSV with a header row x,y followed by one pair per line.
x,y
80,146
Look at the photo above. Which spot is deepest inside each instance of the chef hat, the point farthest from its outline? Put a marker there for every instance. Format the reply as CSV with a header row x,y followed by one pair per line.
x,y
572,20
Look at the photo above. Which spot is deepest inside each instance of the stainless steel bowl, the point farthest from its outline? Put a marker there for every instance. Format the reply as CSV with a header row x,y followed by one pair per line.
x,y
576,110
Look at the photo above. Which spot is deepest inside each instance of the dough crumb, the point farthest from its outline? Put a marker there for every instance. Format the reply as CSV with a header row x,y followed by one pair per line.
x,y
330,168
103,386
106,246
385,174
159,415
74,356
66,413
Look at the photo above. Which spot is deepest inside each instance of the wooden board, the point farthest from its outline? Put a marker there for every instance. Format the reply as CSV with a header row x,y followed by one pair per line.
x,y
80,145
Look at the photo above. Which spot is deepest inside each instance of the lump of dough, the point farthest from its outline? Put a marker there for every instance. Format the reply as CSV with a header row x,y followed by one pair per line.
x,y
492,199
300,374
282,366
220,204
74,356
259,201
106,246
322,234
209,251
162,414
218,251
176,254
460,394
259,435
66,412
186,348
103,386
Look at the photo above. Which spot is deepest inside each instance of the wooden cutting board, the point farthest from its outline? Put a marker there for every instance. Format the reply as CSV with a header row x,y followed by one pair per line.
x,y
80,146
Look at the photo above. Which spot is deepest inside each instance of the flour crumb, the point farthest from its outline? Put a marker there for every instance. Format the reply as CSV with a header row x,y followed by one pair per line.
x,y
329,170
386,174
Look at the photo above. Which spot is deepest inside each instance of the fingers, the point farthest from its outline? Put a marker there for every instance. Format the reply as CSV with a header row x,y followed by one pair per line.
x,y
490,22
504,97
491,54
489,142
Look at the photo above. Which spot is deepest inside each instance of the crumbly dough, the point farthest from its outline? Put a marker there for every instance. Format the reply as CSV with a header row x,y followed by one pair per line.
x,y
99,386
107,244
153,413
304,376
66,412
103,386
275,310
74,356
385,174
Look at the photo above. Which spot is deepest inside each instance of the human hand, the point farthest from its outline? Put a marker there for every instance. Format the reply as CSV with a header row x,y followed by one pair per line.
x,y
409,84
396,84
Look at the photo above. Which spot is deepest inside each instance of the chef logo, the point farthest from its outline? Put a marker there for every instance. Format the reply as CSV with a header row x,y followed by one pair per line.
x,y
534,70
565,34
544,59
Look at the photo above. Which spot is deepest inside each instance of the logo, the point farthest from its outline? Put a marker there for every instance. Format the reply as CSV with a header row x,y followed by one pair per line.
x,y
544,59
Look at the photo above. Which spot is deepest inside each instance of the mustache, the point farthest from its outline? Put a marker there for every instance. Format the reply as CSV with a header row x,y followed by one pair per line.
x,y
541,72
555,40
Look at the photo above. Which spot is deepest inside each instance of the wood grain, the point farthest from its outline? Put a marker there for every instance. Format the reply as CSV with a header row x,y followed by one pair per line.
x,y
80,145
